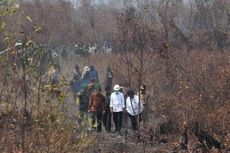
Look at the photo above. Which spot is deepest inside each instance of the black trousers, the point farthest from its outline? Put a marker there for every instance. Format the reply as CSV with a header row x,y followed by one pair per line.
x,y
117,118
107,120
134,121
96,118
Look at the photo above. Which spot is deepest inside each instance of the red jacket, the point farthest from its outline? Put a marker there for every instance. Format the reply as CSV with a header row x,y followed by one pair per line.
x,y
97,102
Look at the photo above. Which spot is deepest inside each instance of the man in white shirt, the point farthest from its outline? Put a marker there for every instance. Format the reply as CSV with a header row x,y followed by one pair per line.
x,y
134,109
117,105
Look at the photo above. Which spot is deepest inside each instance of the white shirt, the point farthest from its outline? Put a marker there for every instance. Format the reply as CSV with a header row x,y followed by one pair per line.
x,y
117,102
132,106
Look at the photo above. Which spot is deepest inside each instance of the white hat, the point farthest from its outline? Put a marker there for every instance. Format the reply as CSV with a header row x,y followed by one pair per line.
x,y
116,87
86,68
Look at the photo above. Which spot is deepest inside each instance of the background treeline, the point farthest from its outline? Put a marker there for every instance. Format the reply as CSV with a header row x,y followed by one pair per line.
x,y
197,24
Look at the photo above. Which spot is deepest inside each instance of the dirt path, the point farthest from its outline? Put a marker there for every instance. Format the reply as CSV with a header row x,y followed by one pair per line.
x,y
119,143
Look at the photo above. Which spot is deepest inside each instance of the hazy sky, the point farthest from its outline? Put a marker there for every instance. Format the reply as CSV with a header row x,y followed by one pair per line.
x,y
116,3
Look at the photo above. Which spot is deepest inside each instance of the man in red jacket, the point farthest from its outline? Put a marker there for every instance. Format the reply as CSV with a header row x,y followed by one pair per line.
x,y
96,108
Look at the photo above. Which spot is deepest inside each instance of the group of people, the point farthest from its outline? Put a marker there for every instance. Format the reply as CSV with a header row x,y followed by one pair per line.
x,y
87,76
103,106
85,49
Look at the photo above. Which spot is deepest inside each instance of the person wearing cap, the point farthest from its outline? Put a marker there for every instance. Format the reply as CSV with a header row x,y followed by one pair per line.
x,y
117,105
92,87
85,73
83,102
144,97
96,108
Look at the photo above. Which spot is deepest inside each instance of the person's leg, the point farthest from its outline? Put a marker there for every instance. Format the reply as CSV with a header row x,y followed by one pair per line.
x,y
93,120
133,122
104,119
99,120
119,120
81,115
108,122
115,118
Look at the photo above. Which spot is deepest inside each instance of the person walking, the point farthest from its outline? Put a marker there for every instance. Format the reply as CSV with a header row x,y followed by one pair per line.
x,y
96,108
107,114
117,105
83,102
144,97
134,108
76,82
108,89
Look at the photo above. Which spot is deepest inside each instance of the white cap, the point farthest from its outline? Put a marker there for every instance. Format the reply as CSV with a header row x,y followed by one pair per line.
x,y
116,87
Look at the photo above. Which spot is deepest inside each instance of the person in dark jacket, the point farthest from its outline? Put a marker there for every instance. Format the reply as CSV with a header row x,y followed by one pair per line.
x,y
93,74
107,114
96,108
109,78
108,90
76,81
83,101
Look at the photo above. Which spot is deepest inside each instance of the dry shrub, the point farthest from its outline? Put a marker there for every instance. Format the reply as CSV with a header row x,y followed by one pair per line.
x,y
198,93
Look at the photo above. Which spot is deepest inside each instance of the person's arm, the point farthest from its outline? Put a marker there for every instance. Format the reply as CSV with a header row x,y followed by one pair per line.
x,y
142,99
104,103
97,76
123,101
142,107
111,103
127,104
140,104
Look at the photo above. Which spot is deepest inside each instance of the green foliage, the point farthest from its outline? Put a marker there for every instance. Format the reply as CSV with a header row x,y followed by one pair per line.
x,y
28,89
36,57
48,122
8,7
